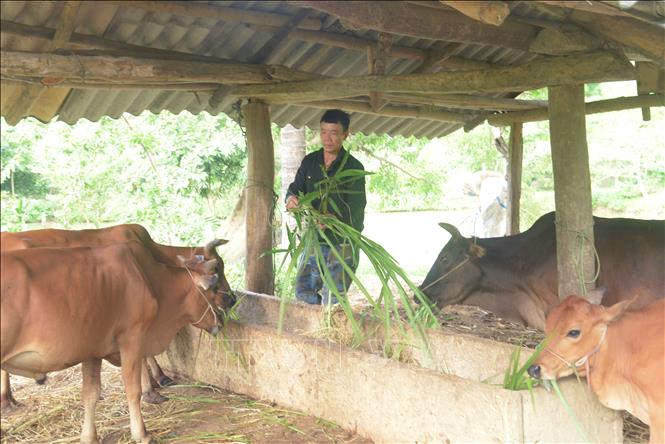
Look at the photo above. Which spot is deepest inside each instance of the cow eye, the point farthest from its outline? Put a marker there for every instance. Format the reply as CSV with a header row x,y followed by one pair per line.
x,y
573,333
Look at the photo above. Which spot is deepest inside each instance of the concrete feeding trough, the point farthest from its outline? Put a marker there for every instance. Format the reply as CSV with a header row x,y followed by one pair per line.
x,y
383,399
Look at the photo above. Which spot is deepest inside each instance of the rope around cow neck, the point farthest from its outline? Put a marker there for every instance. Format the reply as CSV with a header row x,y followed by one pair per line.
x,y
209,307
467,259
584,360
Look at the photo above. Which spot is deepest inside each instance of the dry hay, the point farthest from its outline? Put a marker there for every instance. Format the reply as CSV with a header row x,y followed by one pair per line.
x,y
195,413
476,321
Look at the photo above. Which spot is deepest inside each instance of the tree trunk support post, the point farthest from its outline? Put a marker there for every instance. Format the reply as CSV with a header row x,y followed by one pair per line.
x,y
259,195
572,190
515,156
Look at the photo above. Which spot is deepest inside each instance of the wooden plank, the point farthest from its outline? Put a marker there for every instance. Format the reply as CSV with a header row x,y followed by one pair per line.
x,y
259,197
572,190
597,107
421,22
648,40
515,160
595,67
488,12
223,13
118,69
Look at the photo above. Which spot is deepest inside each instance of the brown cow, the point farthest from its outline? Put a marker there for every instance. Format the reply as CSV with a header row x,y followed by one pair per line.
x,y
620,352
165,254
62,306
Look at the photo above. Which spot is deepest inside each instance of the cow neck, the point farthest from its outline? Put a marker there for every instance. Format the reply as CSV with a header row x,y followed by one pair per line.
x,y
172,286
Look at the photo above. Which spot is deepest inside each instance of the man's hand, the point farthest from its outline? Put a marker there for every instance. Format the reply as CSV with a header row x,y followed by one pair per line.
x,y
291,203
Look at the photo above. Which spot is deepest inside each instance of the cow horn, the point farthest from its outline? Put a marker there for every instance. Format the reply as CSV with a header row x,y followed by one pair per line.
x,y
451,229
210,246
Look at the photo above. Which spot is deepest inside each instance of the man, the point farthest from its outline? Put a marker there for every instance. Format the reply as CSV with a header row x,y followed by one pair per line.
x,y
347,204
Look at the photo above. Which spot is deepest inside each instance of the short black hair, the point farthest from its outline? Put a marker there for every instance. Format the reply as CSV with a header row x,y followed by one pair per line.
x,y
337,116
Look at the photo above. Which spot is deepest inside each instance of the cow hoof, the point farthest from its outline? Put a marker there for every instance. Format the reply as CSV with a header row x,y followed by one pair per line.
x,y
165,381
153,397
9,405
41,381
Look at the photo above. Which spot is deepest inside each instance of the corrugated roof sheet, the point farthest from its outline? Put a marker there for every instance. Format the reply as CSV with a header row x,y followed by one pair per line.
x,y
237,41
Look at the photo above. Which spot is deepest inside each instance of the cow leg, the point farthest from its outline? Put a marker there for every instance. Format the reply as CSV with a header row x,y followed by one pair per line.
x,y
148,393
157,372
92,387
131,376
657,422
6,397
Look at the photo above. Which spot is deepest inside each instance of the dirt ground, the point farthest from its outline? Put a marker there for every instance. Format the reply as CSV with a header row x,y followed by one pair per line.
x,y
194,413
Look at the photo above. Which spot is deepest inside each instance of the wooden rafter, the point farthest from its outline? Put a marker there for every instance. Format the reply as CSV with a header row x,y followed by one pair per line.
x,y
644,38
600,106
421,22
112,69
595,67
392,111
488,12
67,24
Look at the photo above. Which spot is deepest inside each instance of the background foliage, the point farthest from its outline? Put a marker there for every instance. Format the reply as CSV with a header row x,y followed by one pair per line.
x,y
181,176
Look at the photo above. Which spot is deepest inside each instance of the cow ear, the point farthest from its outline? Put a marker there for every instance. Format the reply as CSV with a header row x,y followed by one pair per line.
x,y
208,267
596,295
454,232
616,310
206,281
476,251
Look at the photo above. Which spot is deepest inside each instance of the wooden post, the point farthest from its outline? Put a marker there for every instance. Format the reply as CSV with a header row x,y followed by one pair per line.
x,y
572,189
515,156
259,195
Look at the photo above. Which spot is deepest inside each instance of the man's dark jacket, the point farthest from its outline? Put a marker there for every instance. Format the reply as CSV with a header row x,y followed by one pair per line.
x,y
350,198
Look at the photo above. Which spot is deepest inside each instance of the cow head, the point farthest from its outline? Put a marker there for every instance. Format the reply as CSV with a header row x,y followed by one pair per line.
x,y
206,302
455,272
223,288
575,330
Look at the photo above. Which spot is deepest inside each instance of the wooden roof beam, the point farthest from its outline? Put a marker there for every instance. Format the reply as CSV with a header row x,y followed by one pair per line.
x,y
223,13
422,22
86,67
487,12
392,111
600,106
583,68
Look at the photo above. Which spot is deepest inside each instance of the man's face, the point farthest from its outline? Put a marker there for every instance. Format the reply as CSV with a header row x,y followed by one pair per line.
x,y
332,137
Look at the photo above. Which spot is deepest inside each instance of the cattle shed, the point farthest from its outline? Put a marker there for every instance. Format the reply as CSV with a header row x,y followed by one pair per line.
x,y
421,68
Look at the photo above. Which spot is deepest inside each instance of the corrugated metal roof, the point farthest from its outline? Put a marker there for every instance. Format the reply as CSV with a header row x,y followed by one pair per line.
x,y
236,41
